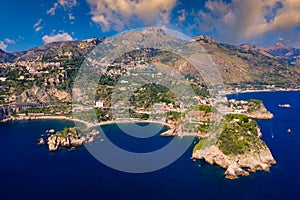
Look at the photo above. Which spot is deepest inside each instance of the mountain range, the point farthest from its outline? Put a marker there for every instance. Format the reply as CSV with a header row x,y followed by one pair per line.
x,y
240,66
254,66
82,47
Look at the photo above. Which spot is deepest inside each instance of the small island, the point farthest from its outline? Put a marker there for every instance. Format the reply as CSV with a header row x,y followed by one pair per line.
x,y
69,138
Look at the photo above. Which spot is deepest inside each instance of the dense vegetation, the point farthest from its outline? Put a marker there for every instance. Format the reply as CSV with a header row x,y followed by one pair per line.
x,y
150,94
238,136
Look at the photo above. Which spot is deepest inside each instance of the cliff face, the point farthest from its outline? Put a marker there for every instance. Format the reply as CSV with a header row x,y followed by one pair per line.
x,y
6,111
37,94
238,165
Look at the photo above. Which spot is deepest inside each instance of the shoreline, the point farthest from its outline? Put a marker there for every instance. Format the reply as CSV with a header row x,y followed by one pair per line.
x,y
264,90
86,124
89,125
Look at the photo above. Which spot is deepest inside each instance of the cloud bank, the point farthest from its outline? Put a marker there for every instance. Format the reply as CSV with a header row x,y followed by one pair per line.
x,y
242,20
118,14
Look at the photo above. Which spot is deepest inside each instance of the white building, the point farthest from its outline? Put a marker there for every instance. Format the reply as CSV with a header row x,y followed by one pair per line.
x,y
21,78
3,79
99,104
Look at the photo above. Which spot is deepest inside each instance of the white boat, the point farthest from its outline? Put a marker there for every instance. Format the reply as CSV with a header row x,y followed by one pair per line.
x,y
284,105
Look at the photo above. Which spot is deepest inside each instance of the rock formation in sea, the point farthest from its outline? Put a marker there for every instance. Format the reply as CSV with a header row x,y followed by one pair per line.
x,y
69,138
41,142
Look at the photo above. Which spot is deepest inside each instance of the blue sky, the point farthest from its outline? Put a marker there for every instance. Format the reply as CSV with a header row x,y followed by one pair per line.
x,y
30,23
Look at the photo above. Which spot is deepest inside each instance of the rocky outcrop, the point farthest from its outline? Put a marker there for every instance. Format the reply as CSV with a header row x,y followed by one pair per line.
x,y
205,39
262,113
52,143
41,142
237,165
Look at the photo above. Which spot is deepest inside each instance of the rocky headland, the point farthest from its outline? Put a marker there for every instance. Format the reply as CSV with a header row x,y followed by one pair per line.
x,y
237,165
261,113
238,149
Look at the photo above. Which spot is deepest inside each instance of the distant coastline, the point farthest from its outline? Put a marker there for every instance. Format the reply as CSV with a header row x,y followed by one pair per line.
x,y
263,90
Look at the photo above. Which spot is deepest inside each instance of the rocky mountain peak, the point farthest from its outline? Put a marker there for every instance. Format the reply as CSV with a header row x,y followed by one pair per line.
x,y
284,52
277,46
205,39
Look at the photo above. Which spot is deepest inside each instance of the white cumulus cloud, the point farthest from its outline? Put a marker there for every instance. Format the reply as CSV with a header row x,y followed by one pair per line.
x,y
57,38
119,14
241,20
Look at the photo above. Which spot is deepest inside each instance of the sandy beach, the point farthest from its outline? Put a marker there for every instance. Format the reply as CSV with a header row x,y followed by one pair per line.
x,y
88,125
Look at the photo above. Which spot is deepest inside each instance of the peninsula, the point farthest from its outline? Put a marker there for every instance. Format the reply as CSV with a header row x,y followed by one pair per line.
x,y
239,149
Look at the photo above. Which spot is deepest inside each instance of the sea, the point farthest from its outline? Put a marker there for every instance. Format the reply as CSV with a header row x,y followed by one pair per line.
x,y
29,171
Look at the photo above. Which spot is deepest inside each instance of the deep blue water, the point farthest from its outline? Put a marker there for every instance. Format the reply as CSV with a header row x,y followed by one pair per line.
x,y
28,171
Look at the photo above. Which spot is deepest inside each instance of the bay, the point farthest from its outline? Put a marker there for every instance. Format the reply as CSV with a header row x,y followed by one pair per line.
x,y
28,171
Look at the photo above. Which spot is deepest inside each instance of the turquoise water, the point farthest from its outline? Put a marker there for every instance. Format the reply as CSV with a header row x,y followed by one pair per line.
x,y
29,171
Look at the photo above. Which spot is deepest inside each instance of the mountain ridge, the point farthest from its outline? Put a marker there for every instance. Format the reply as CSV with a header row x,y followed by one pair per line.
x,y
279,49
244,66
